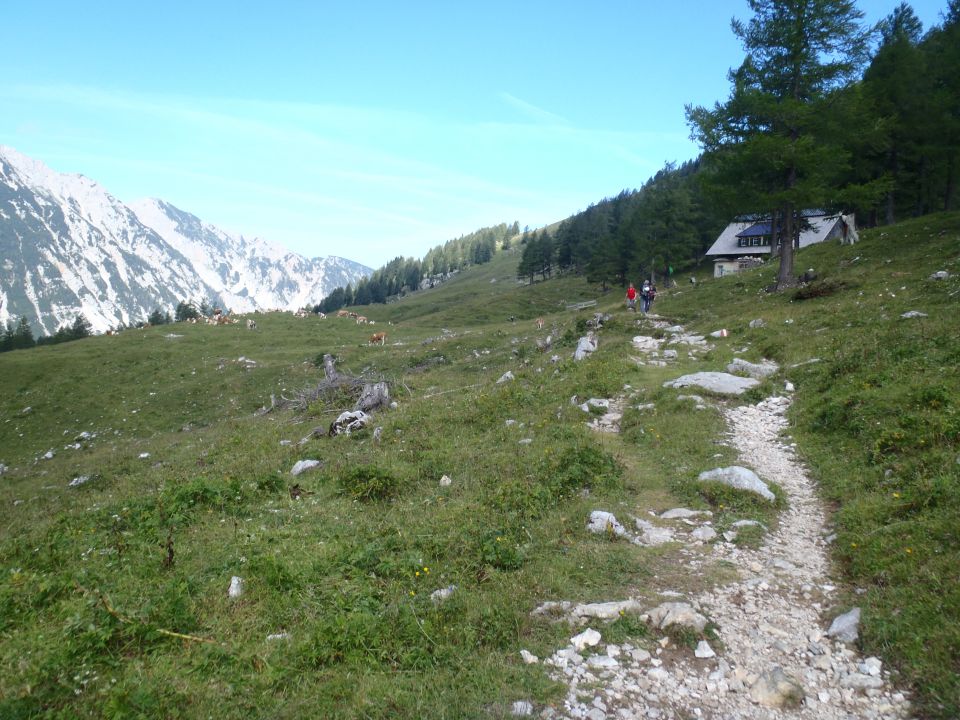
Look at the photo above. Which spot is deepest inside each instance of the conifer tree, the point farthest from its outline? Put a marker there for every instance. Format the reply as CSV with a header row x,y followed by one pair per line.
x,y
770,139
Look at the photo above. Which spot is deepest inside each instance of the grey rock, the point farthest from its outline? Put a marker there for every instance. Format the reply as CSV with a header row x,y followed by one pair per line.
x,y
585,346
521,708
588,638
722,383
859,681
911,314
677,613
758,323
740,478
606,610
529,658
846,627
78,481
684,514
304,465
602,662
704,533
776,689
349,421
236,587
506,377
704,650
758,371
443,593
652,535
602,522
940,275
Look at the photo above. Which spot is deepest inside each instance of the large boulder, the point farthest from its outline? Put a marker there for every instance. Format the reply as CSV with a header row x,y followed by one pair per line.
x,y
718,382
760,370
740,478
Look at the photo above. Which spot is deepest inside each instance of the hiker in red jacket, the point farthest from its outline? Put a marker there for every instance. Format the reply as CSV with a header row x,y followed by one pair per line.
x,y
632,298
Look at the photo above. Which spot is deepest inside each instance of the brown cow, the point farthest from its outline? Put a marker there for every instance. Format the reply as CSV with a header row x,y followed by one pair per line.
x,y
378,338
540,323
361,320
343,313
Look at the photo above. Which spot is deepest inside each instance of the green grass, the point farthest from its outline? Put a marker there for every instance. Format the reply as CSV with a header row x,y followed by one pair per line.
x,y
99,583
877,418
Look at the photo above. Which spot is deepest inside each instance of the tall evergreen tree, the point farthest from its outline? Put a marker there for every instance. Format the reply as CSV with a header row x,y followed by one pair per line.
x,y
769,137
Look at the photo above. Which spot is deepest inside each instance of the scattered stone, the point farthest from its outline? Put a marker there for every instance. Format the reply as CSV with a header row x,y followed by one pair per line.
x,y
846,627
585,346
759,371
278,636
788,387
506,377
143,455
859,681
720,333
776,689
588,638
529,658
304,465
236,587
871,666
79,480
940,275
602,662
740,478
758,323
3,468
684,514
521,708
911,314
722,383
607,610
604,522
443,593
650,534
48,455
349,421
525,441
704,533
645,343
445,481
677,613
704,650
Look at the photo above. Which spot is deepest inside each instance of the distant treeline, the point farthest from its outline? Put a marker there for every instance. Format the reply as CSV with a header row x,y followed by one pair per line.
x,y
665,225
895,135
19,335
403,275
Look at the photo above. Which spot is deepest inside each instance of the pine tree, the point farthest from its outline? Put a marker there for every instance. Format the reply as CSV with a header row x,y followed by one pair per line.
x,y
81,328
771,138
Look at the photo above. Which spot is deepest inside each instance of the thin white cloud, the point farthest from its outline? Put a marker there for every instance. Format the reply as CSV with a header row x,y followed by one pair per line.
x,y
532,111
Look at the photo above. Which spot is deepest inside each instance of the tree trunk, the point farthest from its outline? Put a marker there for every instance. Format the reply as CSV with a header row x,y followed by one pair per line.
x,y
785,279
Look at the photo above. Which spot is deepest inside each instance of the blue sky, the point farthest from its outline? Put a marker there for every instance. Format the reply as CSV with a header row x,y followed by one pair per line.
x,y
367,129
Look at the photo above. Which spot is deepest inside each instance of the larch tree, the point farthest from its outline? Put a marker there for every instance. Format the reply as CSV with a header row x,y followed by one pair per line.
x,y
769,141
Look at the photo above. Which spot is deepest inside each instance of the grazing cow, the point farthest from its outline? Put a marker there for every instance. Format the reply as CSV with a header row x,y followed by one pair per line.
x,y
361,320
343,313
379,338
540,323
354,315
322,316
251,324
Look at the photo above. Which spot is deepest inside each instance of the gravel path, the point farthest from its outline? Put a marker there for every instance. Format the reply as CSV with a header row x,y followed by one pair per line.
x,y
773,659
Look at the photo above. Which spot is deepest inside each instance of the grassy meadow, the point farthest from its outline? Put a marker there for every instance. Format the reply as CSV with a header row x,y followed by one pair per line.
x,y
113,593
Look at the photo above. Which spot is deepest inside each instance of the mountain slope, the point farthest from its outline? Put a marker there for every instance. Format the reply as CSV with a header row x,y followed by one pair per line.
x,y
68,246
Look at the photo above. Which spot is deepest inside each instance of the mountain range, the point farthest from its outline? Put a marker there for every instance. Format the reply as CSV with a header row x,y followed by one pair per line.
x,y
67,246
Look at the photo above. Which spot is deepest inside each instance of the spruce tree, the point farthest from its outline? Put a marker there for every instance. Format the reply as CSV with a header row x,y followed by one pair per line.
x,y
770,139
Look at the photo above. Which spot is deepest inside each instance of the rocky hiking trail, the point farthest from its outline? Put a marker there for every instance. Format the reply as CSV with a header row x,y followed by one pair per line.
x,y
773,652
